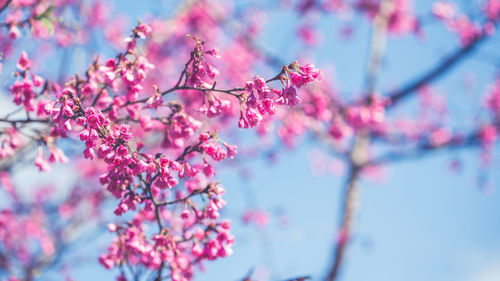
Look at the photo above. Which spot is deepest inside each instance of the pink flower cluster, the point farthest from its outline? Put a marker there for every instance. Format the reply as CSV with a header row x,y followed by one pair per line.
x,y
43,19
32,230
10,141
179,252
11,225
156,156
23,89
262,99
402,19
199,68
367,115
259,218
492,10
492,101
467,29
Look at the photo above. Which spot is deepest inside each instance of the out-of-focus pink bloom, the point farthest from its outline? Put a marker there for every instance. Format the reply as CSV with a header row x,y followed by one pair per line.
x,y
256,216
444,10
439,137
41,163
23,63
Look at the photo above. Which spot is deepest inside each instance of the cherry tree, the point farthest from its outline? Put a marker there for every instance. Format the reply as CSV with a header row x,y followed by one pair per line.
x,y
147,117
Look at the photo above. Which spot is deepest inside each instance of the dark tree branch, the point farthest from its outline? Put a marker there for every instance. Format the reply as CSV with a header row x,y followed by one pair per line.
x,y
302,278
437,71
5,5
348,211
426,149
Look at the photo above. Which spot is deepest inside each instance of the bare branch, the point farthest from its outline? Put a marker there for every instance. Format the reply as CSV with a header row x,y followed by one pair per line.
x,y
437,71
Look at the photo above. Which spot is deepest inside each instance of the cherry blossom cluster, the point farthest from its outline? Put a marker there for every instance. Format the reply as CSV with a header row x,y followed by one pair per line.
x,y
467,29
369,115
24,89
259,218
44,223
262,100
38,15
402,19
492,101
488,133
11,140
182,244
116,112
46,19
